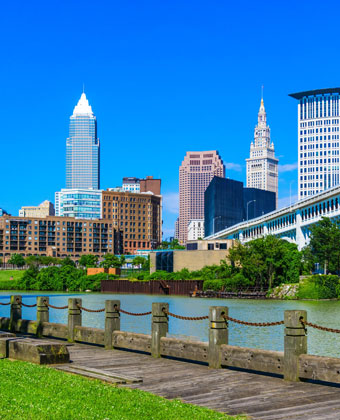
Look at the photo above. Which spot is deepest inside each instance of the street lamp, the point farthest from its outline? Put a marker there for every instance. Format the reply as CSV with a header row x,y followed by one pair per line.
x,y
251,201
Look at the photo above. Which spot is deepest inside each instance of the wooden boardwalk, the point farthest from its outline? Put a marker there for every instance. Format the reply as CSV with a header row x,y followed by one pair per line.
x,y
229,391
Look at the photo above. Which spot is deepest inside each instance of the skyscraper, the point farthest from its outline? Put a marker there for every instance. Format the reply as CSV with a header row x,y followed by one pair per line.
x,y
318,144
262,166
195,174
82,148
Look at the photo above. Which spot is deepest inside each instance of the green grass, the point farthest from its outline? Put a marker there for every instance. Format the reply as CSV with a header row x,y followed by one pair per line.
x,y
7,274
30,391
5,279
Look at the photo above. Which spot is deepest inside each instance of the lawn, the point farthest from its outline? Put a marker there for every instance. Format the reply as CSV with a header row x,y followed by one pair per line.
x,y
5,279
7,274
30,391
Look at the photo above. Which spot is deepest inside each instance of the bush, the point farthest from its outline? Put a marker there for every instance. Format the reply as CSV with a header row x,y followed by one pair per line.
x,y
236,282
319,287
216,285
9,285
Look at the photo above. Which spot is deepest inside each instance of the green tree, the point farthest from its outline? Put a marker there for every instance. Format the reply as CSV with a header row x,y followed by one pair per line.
x,y
110,260
67,261
324,244
88,261
17,259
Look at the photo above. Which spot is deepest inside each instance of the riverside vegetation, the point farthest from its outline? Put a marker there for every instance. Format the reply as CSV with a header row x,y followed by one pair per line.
x,y
262,264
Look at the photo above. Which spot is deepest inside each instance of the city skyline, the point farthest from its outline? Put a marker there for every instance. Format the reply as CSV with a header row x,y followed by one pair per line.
x,y
162,83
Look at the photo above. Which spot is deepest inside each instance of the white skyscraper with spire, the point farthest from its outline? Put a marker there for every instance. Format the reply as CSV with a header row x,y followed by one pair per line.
x,y
262,166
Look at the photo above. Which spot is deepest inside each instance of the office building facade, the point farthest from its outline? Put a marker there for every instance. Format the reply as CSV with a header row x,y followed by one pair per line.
x,y
262,165
57,237
82,148
131,184
195,229
318,140
81,203
136,185
138,215
227,203
44,209
195,174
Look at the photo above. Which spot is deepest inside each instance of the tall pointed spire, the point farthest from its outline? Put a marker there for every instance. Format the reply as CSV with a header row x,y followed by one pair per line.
x,y
83,107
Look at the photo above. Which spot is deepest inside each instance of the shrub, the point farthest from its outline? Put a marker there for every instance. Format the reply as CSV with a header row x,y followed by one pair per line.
x,y
215,284
236,282
319,287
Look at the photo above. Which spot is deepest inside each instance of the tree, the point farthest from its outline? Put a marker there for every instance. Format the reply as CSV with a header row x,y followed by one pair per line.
x,y
88,261
141,261
174,244
17,259
111,260
325,244
67,261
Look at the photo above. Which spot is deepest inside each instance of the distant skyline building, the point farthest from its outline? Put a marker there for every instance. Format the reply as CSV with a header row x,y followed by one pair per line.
x,y
227,203
262,166
82,203
318,140
82,148
46,208
136,185
131,184
195,229
195,174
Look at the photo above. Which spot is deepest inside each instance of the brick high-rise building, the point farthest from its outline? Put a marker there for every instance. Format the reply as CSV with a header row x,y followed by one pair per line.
x,y
57,237
195,174
138,215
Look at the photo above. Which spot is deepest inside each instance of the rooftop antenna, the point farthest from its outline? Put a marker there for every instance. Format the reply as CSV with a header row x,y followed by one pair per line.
x,y
262,92
83,87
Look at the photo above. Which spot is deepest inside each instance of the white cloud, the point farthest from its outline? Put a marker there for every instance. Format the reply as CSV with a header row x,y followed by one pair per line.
x,y
288,167
233,166
287,201
171,202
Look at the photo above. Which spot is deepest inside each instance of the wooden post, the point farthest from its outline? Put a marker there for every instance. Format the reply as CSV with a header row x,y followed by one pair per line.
x,y
112,321
295,343
16,312
218,334
74,317
42,313
159,327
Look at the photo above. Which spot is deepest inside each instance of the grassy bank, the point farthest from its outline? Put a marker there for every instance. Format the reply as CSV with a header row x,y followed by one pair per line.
x,y
29,391
6,283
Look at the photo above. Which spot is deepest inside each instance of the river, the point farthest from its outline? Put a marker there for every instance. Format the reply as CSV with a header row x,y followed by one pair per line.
x,y
326,313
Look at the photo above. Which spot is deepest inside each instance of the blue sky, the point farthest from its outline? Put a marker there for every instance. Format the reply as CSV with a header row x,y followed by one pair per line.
x,y
163,78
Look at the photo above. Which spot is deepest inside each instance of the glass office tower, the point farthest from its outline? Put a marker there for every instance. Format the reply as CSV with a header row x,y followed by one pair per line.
x,y
318,133
82,148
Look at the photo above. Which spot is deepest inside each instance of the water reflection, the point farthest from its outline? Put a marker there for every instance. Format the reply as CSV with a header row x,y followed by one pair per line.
x,y
325,313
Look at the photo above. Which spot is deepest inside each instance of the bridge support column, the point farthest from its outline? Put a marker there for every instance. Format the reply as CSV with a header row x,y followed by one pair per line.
x,y
16,312
159,327
74,317
112,321
218,334
295,343
42,313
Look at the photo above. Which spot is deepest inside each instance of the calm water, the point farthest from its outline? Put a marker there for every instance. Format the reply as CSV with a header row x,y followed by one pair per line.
x,y
325,313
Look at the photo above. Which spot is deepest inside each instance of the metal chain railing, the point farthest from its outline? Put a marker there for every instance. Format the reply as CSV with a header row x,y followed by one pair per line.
x,y
253,324
186,318
90,310
55,307
317,327
20,302
4,304
133,313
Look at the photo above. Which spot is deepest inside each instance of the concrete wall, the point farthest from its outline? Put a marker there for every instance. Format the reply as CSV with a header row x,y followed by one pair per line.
x,y
195,260
192,260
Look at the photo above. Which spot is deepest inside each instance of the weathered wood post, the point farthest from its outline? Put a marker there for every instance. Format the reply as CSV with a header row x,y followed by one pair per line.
x,y
159,326
295,343
74,317
112,321
16,312
218,334
42,313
